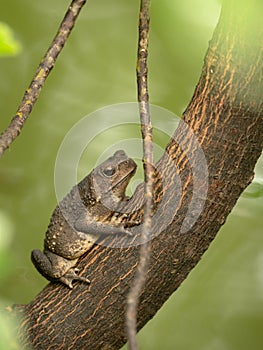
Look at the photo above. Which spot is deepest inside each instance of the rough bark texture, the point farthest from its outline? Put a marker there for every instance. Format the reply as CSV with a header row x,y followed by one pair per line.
x,y
225,114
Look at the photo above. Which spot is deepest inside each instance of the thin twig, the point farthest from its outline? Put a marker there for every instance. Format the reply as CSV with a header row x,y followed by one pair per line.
x,y
146,129
32,93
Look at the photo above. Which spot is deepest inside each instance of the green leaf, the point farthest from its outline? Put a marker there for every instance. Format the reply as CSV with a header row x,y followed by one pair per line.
x,y
9,46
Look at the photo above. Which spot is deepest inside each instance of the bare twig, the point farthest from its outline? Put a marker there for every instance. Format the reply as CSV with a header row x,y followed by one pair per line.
x,y
32,93
146,129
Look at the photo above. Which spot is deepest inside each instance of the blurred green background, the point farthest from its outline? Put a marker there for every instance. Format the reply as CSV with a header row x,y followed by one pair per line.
x,y
220,305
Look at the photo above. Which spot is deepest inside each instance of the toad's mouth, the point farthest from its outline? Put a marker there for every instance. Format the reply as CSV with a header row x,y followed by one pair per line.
x,y
129,175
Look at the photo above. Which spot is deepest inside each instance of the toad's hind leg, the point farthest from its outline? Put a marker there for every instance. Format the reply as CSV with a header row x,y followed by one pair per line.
x,y
50,265
56,268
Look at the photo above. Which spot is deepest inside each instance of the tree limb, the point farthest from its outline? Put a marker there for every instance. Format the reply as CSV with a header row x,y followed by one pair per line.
x,y
32,93
146,129
225,114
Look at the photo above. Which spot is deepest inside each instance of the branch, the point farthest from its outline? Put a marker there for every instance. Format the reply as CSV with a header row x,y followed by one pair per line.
x,y
225,114
32,93
146,129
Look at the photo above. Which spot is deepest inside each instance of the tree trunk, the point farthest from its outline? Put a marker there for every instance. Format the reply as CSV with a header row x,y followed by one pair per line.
x,y
225,115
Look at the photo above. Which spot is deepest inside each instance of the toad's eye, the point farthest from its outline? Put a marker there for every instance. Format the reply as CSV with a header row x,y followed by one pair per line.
x,y
109,171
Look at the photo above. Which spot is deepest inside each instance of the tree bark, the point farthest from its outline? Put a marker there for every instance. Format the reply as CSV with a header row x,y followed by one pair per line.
x,y
225,115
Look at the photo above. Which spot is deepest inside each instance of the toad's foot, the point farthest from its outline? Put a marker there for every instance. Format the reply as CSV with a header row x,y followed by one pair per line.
x,y
71,276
